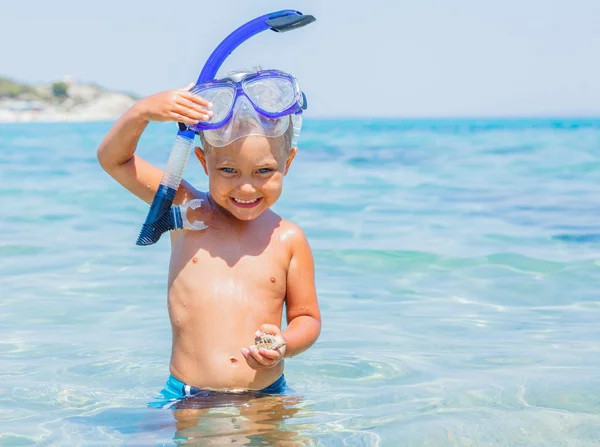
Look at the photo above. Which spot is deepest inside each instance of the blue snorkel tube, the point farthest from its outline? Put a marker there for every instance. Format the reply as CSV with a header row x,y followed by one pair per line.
x,y
161,217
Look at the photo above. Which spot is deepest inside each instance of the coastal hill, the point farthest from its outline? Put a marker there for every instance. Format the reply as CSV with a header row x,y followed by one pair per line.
x,y
65,100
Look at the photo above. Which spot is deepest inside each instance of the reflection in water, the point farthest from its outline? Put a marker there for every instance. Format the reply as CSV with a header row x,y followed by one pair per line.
x,y
240,418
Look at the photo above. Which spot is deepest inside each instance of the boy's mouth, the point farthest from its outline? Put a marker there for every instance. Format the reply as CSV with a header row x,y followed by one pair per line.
x,y
245,203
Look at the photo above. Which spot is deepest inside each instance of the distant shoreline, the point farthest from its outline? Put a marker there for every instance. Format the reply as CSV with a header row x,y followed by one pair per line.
x,y
66,119
63,101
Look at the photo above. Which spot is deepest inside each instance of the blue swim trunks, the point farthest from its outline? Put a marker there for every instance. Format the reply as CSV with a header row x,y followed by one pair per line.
x,y
175,392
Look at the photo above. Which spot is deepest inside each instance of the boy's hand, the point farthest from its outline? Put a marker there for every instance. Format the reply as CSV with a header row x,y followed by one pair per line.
x,y
176,105
265,358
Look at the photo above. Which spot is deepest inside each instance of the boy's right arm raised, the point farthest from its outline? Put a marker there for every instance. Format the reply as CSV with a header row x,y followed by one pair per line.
x,y
116,153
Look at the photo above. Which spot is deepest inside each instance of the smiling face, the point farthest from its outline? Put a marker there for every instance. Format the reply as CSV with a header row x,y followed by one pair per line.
x,y
246,176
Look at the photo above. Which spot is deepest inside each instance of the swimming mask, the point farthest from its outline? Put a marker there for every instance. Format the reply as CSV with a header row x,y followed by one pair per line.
x,y
250,103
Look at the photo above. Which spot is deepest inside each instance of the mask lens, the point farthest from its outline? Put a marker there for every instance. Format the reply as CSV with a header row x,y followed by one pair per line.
x,y
221,96
271,94
244,122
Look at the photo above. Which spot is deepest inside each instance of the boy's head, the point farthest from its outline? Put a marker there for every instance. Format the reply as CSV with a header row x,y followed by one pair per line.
x,y
249,149
246,176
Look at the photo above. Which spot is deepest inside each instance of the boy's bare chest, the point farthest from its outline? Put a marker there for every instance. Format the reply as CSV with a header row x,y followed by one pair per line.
x,y
226,266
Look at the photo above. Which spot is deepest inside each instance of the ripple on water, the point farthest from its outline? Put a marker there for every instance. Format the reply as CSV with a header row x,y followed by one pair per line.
x,y
457,270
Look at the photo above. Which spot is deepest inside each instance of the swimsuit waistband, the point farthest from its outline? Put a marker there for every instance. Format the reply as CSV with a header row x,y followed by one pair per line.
x,y
277,387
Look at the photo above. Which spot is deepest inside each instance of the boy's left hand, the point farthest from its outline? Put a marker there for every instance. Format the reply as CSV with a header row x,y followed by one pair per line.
x,y
264,358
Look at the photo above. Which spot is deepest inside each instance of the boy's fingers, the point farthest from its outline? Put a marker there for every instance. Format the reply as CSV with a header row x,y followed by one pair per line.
x,y
192,106
197,99
182,119
269,329
270,353
181,110
251,361
258,357
189,103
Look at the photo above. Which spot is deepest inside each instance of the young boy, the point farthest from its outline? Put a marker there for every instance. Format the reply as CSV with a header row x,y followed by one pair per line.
x,y
227,283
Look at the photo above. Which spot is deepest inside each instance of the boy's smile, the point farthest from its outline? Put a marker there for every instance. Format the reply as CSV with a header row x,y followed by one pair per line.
x,y
246,203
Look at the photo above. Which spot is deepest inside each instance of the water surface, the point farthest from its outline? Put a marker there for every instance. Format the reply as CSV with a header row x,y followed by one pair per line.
x,y
457,270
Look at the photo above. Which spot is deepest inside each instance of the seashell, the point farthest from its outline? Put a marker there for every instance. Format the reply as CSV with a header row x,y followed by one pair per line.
x,y
268,341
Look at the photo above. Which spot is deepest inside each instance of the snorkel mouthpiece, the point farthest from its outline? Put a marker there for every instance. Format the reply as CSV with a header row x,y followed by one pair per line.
x,y
284,23
161,217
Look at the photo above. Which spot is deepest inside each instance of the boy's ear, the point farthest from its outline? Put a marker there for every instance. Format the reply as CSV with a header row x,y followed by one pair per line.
x,y
288,162
201,156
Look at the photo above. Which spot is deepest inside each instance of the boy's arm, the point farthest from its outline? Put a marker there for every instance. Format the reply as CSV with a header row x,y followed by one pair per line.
x,y
116,153
303,314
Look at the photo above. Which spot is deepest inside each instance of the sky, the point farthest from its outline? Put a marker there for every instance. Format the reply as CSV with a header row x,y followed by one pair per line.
x,y
376,58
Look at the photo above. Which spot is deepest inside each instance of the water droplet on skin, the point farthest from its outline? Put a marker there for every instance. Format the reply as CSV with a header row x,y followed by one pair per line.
x,y
195,260
178,320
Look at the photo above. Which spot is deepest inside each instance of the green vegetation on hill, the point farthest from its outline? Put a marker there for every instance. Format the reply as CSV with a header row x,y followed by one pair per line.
x,y
56,92
60,90
12,89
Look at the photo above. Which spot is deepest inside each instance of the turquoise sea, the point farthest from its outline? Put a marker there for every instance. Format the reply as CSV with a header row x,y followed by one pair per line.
x,y
458,271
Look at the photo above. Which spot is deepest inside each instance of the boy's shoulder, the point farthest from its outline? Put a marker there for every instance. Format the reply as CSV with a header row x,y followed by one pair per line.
x,y
296,246
291,234
289,227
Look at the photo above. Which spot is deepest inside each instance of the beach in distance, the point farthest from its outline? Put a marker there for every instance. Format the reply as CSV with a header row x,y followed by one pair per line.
x,y
62,100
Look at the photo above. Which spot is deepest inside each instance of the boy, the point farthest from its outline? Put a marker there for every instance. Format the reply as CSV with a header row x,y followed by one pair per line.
x,y
227,283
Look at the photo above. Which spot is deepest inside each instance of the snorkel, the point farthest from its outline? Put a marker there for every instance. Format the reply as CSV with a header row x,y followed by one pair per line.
x,y
161,216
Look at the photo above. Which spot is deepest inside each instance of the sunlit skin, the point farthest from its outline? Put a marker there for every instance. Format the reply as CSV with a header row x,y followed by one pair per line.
x,y
230,280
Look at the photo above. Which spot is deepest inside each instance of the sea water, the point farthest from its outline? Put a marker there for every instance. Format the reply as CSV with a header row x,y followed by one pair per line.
x,y
457,266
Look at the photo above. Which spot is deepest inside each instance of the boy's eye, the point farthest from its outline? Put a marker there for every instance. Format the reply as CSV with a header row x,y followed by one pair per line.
x,y
264,170
228,170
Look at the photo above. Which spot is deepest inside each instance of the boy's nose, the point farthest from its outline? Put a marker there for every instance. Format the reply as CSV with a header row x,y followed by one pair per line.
x,y
246,187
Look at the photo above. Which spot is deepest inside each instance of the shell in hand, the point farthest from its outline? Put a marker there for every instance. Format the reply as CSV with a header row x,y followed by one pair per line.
x,y
268,341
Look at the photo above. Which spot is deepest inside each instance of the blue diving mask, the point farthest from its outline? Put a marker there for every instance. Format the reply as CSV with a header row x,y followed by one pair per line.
x,y
250,103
